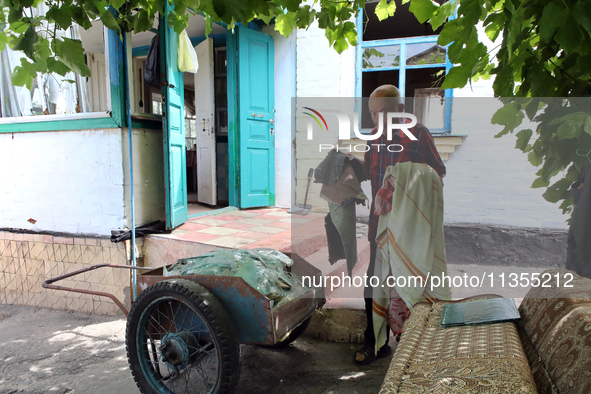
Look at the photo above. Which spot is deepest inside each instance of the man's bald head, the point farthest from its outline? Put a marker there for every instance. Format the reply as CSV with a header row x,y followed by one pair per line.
x,y
385,98
386,91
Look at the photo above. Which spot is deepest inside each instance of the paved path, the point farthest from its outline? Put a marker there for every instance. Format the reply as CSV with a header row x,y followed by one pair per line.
x,y
49,351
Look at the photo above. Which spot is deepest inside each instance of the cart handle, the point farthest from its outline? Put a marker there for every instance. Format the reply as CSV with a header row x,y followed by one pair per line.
x,y
48,284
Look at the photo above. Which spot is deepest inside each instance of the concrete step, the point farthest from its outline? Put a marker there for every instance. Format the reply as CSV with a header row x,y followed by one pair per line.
x,y
319,259
159,251
308,238
342,318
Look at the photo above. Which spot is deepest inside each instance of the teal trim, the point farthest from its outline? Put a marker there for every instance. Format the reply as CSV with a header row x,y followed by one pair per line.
x,y
116,74
254,26
418,66
58,125
212,213
146,124
370,70
198,40
131,185
219,41
140,51
449,94
233,132
358,68
398,41
402,72
414,67
173,125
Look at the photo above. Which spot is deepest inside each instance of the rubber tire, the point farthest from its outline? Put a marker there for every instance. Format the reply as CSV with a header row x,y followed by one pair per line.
x,y
293,335
213,313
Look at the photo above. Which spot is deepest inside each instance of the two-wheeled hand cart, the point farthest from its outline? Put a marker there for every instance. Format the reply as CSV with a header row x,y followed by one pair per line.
x,y
183,332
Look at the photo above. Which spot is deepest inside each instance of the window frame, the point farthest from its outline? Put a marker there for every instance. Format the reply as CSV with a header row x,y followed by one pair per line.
x,y
402,67
114,118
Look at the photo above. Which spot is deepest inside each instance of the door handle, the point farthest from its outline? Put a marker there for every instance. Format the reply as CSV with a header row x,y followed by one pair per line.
x,y
272,121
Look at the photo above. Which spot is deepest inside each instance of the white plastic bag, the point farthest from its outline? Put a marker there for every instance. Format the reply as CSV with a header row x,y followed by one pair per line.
x,y
187,58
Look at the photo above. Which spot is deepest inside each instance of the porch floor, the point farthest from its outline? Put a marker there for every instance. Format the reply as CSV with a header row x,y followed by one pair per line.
x,y
252,228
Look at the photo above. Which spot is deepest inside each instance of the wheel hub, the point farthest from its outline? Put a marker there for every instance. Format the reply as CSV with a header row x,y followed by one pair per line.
x,y
175,348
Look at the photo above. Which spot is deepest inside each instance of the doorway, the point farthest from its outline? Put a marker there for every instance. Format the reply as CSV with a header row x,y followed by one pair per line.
x,y
207,133
250,121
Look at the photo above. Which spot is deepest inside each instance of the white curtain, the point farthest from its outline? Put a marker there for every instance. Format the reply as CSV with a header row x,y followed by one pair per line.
x,y
8,105
50,93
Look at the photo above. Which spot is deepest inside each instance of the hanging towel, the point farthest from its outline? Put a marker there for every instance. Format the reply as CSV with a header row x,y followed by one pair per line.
x,y
329,170
383,203
342,218
410,241
345,188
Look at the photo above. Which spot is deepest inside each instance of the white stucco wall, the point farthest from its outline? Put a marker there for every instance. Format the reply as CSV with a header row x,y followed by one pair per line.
x,y
488,180
67,181
285,89
320,72
148,176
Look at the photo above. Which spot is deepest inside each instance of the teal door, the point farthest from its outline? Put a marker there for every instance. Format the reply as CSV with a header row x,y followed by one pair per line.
x,y
253,125
173,124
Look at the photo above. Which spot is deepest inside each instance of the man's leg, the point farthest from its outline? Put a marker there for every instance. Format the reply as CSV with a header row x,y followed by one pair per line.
x,y
370,339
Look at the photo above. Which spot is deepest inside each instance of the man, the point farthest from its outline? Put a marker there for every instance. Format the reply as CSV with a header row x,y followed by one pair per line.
x,y
387,98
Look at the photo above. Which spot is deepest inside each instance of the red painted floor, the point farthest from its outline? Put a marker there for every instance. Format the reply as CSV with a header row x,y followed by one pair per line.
x,y
253,228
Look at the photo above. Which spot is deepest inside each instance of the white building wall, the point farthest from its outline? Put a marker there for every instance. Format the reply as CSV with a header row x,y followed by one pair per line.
x,y
66,181
321,72
488,180
148,176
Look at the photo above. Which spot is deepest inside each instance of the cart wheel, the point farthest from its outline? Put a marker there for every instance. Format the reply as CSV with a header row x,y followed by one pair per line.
x,y
180,339
293,335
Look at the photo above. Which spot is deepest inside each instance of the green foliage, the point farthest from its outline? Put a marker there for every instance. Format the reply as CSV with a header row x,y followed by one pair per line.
x,y
540,66
540,71
384,9
24,30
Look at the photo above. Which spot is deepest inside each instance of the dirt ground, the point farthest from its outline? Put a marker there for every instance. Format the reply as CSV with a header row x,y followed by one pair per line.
x,y
48,351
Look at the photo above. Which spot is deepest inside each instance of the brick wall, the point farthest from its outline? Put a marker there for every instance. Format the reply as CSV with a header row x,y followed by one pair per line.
x,y
26,260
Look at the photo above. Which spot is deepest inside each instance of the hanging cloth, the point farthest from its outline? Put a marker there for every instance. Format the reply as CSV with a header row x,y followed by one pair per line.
x,y
410,242
152,66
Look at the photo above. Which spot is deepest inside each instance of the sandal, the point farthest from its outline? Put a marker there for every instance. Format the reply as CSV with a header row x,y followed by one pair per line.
x,y
384,351
368,353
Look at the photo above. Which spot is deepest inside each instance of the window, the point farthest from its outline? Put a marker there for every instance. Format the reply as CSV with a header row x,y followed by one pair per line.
x,y
403,52
54,94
